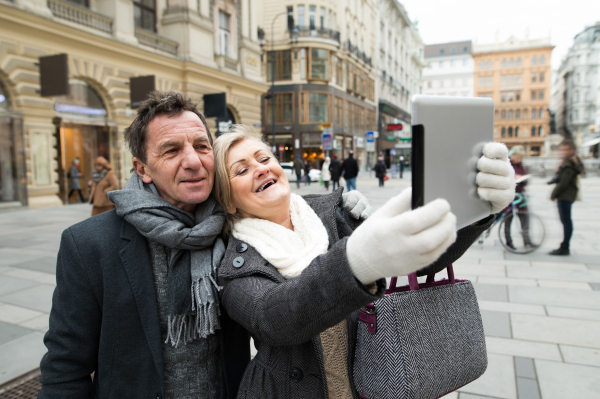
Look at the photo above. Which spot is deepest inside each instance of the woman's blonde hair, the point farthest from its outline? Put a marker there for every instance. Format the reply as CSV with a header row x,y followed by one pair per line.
x,y
222,186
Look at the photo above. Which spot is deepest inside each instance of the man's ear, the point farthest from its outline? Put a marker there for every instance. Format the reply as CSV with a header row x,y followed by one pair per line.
x,y
142,170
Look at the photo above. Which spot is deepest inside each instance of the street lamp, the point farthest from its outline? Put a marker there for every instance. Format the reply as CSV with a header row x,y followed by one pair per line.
x,y
273,77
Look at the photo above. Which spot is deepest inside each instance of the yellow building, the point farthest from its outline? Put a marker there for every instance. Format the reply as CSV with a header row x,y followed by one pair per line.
x,y
196,47
517,76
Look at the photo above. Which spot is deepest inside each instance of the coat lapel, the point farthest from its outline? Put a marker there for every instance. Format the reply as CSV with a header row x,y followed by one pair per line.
x,y
136,260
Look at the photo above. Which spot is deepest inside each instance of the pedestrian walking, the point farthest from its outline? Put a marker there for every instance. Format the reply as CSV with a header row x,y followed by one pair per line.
x,y
325,173
336,172
566,190
103,181
75,179
281,246
298,167
350,171
401,166
307,168
516,154
380,170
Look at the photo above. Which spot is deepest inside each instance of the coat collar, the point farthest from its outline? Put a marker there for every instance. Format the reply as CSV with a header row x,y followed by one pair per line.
x,y
135,257
253,263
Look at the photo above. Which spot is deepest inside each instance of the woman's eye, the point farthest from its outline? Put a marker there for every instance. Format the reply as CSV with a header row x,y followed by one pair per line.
x,y
241,172
265,160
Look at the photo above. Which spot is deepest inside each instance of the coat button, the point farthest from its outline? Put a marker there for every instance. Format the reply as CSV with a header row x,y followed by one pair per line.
x,y
241,247
296,374
238,262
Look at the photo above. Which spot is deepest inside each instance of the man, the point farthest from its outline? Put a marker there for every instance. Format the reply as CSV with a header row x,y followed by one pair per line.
x,y
136,302
401,165
298,166
336,171
350,171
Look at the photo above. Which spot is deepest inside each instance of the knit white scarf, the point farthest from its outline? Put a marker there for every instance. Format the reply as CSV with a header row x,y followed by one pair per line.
x,y
290,251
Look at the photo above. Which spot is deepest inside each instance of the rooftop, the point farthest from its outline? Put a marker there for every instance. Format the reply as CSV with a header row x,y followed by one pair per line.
x,y
448,49
512,43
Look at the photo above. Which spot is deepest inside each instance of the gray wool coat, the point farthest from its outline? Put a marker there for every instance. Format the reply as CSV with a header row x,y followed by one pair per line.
x,y
285,317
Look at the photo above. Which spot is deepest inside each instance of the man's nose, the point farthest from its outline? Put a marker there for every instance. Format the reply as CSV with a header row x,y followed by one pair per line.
x,y
191,159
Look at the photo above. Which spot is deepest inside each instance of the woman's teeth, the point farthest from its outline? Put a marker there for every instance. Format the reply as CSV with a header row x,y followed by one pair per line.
x,y
267,184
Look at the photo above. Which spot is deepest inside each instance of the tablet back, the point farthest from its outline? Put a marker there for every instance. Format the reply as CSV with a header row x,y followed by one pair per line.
x,y
448,137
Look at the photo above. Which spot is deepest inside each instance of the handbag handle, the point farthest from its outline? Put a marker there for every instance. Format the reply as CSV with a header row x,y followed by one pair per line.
x,y
413,283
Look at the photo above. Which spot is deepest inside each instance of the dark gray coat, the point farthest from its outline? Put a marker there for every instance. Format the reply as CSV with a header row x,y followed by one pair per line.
x,y
285,317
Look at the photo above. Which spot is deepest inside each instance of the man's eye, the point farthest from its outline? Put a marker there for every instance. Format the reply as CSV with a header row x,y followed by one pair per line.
x,y
171,151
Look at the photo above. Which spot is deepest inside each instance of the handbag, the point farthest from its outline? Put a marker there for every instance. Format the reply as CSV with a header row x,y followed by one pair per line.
x,y
386,178
420,341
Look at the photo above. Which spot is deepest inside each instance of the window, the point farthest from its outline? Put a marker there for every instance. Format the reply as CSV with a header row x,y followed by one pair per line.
x,y
322,18
453,50
224,34
284,108
511,80
441,51
518,114
441,64
503,63
542,60
541,113
489,65
451,63
518,79
518,96
534,60
312,16
302,63
465,62
532,131
339,112
511,96
517,131
481,82
519,61
318,107
511,63
319,64
533,94
541,95
503,80
541,77
503,96
510,114
489,80
144,14
503,132
339,72
283,65
301,18
510,132
540,131
503,114
525,114
534,113
533,77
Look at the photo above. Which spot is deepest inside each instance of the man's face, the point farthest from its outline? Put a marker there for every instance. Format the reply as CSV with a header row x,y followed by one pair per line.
x,y
180,160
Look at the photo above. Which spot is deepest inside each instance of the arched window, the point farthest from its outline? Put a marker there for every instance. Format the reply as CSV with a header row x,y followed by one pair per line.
x,y
542,60
519,61
534,60
504,63
482,65
503,114
518,114
541,113
510,132
489,64
525,113
517,131
503,132
510,114
540,131
533,114
511,63
532,131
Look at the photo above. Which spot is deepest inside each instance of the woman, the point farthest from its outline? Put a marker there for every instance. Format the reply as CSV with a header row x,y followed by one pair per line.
x,y
103,181
74,180
307,168
566,190
325,173
516,154
296,271
336,171
380,170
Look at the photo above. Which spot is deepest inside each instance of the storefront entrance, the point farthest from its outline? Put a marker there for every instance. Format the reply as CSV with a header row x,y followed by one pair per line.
x,y
13,183
312,149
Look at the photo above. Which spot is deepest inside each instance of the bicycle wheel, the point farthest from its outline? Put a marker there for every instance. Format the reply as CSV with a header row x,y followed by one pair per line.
x,y
522,234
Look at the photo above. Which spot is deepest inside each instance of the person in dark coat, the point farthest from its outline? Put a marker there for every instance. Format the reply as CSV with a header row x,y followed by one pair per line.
x,y
401,165
298,168
75,179
296,270
566,191
380,170
516,160
336,172
350,171
307,168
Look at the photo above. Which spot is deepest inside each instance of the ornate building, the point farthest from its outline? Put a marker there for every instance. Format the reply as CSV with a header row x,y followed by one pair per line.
x,y
199,47
516,75
449,69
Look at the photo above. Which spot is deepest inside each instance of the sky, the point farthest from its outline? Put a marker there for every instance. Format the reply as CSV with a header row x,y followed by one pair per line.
x,y
481,21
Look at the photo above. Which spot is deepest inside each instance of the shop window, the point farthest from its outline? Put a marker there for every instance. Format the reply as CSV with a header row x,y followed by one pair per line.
x,y
319,64
284,108
224,34
283,65
144,14
12,155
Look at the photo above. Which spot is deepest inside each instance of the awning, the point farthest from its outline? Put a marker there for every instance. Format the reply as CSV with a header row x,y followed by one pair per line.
x,y
591,142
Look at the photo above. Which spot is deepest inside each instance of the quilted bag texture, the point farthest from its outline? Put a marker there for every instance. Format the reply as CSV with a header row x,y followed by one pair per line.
x,y
420,342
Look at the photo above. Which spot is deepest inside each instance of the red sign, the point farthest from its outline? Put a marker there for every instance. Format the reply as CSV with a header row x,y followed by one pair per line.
x,y
280,147
394,126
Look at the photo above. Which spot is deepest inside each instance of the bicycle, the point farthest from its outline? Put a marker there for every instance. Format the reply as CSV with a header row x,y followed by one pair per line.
x,y
519,231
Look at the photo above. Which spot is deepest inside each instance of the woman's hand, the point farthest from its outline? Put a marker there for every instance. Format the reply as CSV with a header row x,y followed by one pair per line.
x,y
396,241
357,204
496,177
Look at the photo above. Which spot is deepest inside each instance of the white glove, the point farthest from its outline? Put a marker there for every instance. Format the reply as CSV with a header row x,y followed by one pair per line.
x,y
496,177
357,204
396,241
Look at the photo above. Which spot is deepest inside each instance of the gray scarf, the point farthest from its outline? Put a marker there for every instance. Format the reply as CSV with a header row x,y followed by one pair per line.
x,y
196,252
97,176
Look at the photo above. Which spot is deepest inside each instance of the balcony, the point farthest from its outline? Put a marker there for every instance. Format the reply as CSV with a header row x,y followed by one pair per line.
x,y
80,15
327,34
359,54
151,39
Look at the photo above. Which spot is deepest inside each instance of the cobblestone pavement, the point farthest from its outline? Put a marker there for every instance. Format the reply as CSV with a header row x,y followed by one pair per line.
x,y
541,313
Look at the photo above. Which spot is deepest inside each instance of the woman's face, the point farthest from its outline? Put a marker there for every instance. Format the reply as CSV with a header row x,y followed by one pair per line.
x,y
565,151
516,158
259,187
99,167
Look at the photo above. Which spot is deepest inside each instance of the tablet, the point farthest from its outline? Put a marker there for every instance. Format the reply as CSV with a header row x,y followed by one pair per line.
x,y
448,134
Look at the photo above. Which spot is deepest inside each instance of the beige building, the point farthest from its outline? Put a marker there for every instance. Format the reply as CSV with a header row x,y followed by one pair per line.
x,y
196,47
324,75
516,74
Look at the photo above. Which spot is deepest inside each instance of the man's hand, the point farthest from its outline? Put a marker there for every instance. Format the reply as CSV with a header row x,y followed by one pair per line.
x,y
496,177
357,204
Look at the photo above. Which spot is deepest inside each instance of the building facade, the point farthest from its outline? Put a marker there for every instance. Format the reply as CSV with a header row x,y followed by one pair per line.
x,y
449,70
516,74
400,70
324,76
197,48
